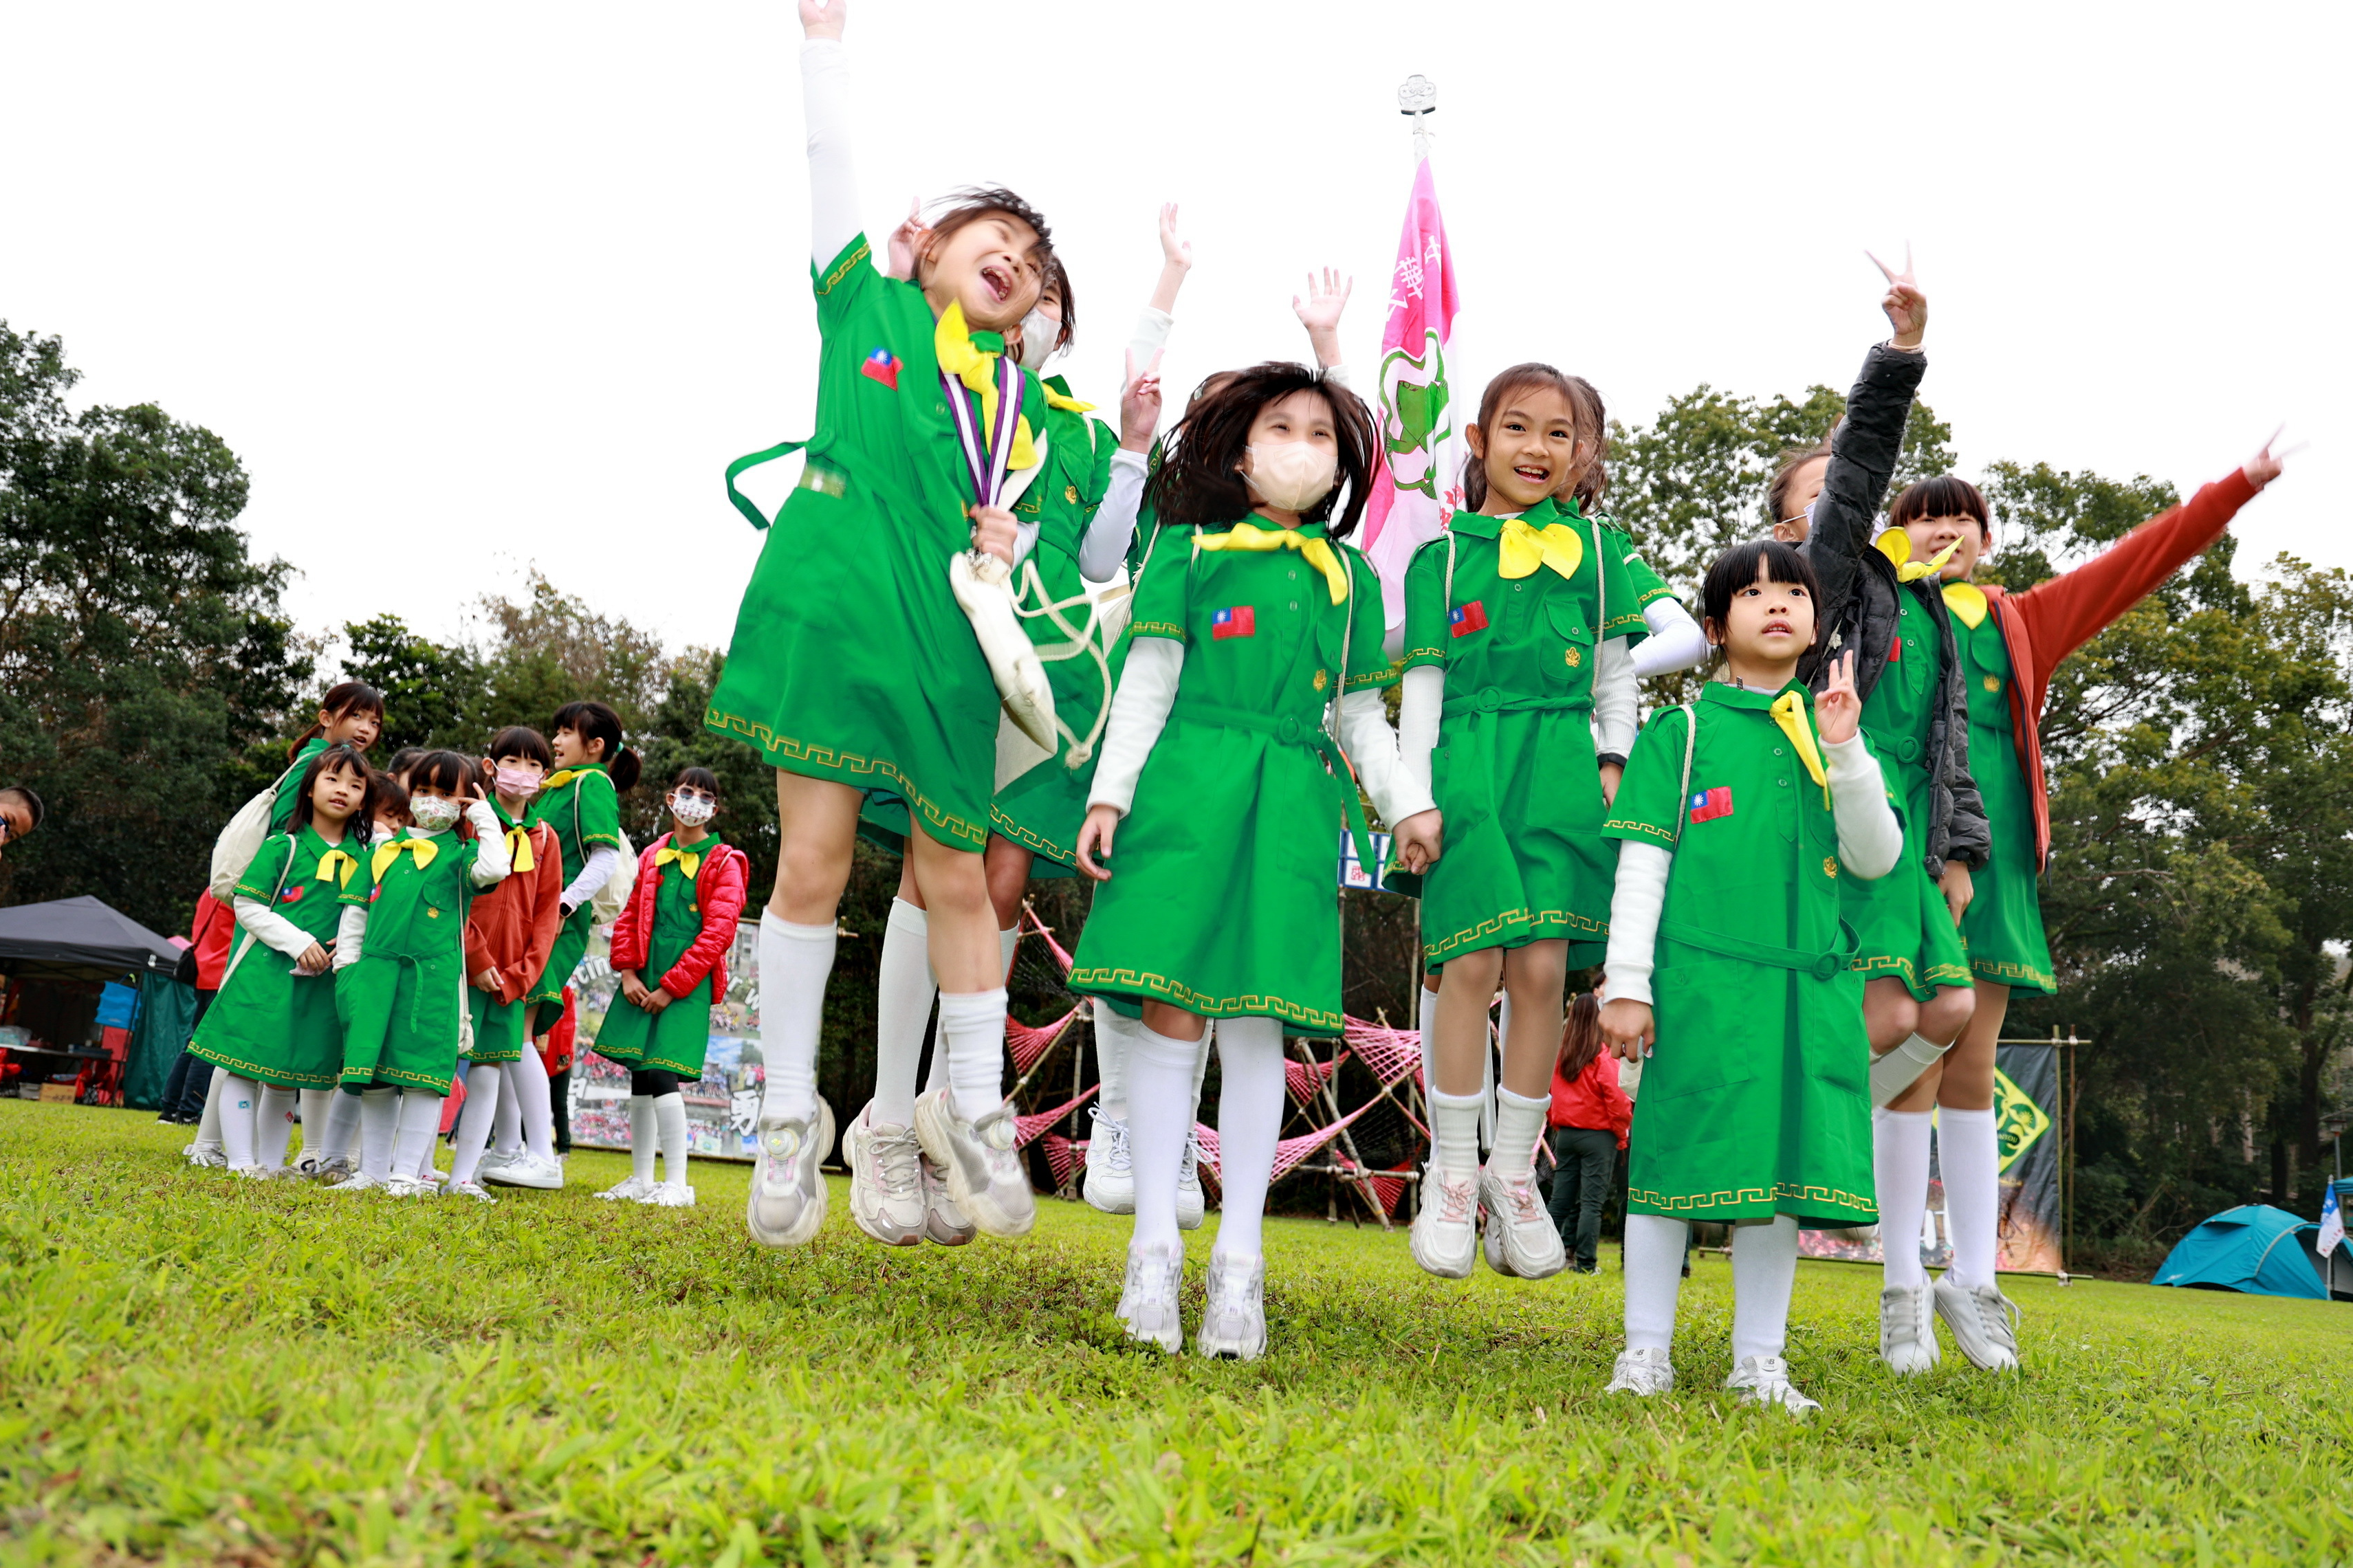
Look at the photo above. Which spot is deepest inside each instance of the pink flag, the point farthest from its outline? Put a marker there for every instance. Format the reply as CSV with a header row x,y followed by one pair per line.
x,y
1420,480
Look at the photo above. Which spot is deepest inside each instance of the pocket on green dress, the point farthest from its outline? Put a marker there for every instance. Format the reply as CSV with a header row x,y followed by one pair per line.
x,y
1703,1030
1572,668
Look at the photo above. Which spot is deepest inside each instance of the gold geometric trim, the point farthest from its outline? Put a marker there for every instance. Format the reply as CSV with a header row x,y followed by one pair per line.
x,y
1626,824
1157,630
1895,966
1816,1199
840,761
657,1064
2001,971
1194,1002
1036,843
842,271
276,1077
401,1076
1543,924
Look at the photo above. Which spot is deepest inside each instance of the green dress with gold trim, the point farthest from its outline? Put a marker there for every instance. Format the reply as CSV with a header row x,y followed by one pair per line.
x,y
585,809
270,1023
674,1039
1649,586
2003,924
1756,1101
402,999
1224,898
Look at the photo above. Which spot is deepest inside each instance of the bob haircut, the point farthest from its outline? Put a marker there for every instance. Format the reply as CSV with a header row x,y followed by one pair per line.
x,y
1058,283
1199,485
339,703
32,802
336,759
594,721
388,797
520,740
445,771
1944,496
403,761
1586,413
702,779
1738,567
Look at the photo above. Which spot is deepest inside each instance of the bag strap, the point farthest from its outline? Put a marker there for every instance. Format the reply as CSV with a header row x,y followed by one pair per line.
x,y
275,894
1683,796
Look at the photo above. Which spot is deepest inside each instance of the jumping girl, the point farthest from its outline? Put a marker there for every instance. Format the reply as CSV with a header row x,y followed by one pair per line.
x,y
1517,623
1741,817
854,668
272,1030
1220,758
400,962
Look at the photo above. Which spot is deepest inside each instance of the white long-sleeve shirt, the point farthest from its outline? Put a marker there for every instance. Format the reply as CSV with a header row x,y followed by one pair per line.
x,y
493,864
1615,707
1676,641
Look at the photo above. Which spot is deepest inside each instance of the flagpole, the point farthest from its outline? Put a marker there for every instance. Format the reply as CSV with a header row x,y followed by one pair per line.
x,y
1418,101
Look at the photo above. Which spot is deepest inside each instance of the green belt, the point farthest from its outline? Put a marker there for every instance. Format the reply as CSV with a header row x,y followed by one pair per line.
x,y
1821,965
1296,732
1495,699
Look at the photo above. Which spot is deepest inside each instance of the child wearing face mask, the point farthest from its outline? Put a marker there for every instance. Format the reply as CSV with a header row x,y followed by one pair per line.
x,y
855,669
1519,708
1741,817
509,932
670,953
272,1031
400,962
1257,646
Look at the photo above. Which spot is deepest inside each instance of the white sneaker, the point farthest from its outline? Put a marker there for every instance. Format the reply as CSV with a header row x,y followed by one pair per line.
x,y
1984,1322
1110,1183
629,1190
544,1175
1233,1322
333,1168
437,1175
474,1190
978,1159
409,1188
357,1182
1907,1334
944,1223
1519,1228
1446,1230
1190,1204
250,1173
886,1180
786,1205
1147,1300
669,1196
206,1154
1764,1379
498,1160
1642,1373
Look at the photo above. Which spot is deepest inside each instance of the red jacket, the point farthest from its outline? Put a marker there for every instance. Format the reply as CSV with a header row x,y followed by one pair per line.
x,y
213,935
555,1052
1594,1100
513,925
718,893
2050,620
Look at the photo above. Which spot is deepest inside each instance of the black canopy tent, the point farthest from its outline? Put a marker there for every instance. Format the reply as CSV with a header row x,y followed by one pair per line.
x,y
85,940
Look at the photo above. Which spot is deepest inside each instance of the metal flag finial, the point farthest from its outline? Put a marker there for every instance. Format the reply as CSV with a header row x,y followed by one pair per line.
x,y
1418,101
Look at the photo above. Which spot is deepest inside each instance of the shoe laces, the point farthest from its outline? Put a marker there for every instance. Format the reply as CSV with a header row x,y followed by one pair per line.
x,y
1456,1197
1521,1195
1113,1133
1998,1312
898,1164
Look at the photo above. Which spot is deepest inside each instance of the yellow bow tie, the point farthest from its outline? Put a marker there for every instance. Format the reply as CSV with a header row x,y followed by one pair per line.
x,y
519,849
976,368
689,860
1897,545
331,862
1790,713
1317,552
1967,602
1056,400
557,781
1524,549
385,854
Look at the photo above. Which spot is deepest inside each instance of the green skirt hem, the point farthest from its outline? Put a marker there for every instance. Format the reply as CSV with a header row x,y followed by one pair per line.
x,y
1899,967
1177,993
624,1055
690,1072
813,760
400,1078
2016,976
494,1057
275,1076
1815,1205
1517,928
1005,828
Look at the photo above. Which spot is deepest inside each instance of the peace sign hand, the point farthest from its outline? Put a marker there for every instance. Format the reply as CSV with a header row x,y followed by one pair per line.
x,y
823,18
1139,405
1837,712
2264,466
1906,307
907,241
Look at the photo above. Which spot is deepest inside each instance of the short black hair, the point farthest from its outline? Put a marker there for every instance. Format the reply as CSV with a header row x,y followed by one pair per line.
x,y
1946,495
32,802
520,740
445,771
702,779
1199,485
403,760
388,797
594,721
1739,567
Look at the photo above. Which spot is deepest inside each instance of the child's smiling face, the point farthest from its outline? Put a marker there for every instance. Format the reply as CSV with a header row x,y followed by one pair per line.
x,y
990,266
1929,535
571,750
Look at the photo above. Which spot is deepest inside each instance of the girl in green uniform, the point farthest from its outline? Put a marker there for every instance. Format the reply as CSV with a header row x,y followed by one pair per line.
x,y
675,932
271,1028
1220,762
1741,816
400,964
854,668
1517,673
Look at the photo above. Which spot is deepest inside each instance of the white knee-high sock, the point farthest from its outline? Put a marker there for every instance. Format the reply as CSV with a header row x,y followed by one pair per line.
x,y
534,1104
1896,1071
1519,1123
379,1128
273,1125
669,1121
1201,1065
240,1099
972,1031
644,1139
1159,1120
902,1003
421,1123
474,1120
1428,1022
1455,1132
1654,1275
1115,1039
318,1108
1250,1122
1764,1273
795,961
343,1125
1006,942
506,1124
1970,1155
208,1125
1899,1165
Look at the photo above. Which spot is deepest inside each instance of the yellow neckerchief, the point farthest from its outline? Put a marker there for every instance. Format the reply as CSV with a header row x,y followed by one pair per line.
x,y
333,860
1897,545
558,780
1790,713
519,848
976,368
1056,400
389,851
1967,602
1317,552
689,860
1522,549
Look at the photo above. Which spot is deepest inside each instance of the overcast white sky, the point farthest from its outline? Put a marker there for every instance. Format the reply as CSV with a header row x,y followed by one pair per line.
x,y
512,283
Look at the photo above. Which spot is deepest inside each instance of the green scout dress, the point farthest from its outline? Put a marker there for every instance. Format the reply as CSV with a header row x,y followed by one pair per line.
x,y
402,1000
1225,897
1648,585
673,1039
501,1029
281,810
269,1023
1757,1102
2003,924
851,660
585,809
1905,929
1514,772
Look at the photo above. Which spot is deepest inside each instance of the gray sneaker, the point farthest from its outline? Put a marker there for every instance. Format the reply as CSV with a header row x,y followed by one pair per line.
x,y
1147,1299
787,1204
1190,1204
1233,1322
1764,1379
982,1169
1907,1334
1519,1228
1644,1373
1984,1322
945,1225
886,1181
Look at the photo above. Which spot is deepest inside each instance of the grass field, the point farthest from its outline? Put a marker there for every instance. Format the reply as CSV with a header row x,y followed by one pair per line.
x,y
199,1369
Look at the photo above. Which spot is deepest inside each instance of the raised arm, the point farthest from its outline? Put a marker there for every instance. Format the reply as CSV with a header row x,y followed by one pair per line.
x,y
824,100
1869,441
1319,313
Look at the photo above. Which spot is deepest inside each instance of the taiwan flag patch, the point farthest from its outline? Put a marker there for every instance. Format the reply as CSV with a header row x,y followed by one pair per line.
x,y
291,895
881,365
1708,804
1240,621
1468,618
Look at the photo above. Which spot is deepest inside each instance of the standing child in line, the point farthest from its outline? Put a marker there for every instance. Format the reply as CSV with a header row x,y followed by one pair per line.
x,y
1590,1116
1741,816
1518,712
400,962
272,1031
2014,644
676,931
509,934
854,668
1222,782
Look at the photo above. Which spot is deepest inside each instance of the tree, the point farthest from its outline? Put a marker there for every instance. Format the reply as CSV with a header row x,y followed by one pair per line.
x,y
433,693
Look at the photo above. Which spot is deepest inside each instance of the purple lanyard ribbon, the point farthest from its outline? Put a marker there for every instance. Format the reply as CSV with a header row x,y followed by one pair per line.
x,y
986,458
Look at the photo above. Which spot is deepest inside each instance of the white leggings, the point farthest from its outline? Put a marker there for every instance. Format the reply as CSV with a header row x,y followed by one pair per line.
x,y
1160,1097
1764,1273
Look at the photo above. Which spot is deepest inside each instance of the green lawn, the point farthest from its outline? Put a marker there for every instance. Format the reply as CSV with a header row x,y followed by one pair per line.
x,y
199,1370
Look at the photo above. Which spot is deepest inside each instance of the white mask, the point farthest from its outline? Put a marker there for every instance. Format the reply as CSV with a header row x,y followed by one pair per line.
x,y
1292,476
1038,333
692,810
435,812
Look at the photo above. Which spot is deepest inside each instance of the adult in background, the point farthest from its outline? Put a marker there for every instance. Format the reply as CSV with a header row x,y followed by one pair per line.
x,y
20,813
1589,1117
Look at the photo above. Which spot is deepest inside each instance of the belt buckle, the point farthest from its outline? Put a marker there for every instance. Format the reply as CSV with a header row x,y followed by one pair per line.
x,y
1827,966
1490,698
1288,730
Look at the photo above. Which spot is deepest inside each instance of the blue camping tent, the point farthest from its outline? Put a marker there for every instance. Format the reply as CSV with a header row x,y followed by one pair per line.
x,y
2255,1248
